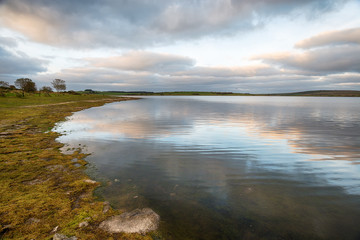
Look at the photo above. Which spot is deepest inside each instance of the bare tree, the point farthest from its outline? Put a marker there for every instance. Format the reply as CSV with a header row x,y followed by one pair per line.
x,y
59,84
26,85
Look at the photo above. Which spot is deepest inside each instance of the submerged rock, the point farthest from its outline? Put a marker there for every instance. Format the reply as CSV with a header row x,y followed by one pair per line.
x,y
137,221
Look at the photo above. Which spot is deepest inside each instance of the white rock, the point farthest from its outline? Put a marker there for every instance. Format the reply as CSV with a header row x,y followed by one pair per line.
x,y
83,224
90,181
106,207
137,221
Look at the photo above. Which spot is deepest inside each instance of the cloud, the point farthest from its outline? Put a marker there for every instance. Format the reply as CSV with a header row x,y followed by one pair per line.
x,y
8,42
18,64
320,68
175,65
229,72
346,36
142,23
145,61
326,60
115,79
334,56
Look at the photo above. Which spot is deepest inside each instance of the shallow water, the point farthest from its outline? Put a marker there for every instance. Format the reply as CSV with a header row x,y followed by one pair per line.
x,y
229,167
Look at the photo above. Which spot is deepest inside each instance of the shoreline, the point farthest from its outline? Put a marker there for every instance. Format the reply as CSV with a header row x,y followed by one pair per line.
x,y
44,191
316,93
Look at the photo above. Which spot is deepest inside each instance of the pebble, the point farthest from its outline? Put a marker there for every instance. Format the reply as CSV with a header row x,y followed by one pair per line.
x,y
83,224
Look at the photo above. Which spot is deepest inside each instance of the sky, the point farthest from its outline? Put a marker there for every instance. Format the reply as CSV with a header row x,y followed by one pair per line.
x,y
257,46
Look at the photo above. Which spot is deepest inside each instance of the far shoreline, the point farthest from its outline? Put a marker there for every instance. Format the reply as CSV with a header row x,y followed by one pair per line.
x,y
316,93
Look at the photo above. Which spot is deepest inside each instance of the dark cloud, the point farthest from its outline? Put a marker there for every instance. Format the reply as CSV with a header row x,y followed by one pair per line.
x,y
340,37
7,42
18,64
141,23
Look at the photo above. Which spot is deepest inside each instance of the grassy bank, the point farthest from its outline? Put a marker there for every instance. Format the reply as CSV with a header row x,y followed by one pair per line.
x,y
43,191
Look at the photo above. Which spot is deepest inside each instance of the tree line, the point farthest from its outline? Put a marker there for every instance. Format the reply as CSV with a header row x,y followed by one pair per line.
x,y
27,85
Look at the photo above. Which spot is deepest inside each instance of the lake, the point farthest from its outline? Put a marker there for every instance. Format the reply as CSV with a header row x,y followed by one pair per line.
x,y
217,167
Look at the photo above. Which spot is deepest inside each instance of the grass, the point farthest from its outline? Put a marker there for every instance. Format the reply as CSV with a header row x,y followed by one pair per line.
x,y
34,99
42,189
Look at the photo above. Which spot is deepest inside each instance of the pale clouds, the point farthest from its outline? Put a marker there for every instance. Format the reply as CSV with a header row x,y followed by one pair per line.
x,y
318,61
346,36
111,45
327,53
144,61
174,65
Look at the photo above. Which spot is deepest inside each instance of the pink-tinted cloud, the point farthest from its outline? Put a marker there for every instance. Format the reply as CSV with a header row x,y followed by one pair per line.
x,y
345,36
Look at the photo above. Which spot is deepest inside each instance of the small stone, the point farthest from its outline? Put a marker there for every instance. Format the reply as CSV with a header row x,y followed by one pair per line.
x,y
5,133
90,181
137,221
55,229
106,207
116,180
83,224
34,181
59,236
32,220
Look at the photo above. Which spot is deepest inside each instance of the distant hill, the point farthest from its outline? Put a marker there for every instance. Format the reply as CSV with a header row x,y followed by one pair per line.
x,y
324,93
317,93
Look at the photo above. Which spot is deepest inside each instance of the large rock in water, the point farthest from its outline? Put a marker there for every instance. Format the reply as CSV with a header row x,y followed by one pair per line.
x,y
137,221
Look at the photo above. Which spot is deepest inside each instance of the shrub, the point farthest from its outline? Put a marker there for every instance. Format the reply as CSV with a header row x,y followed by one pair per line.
x,y
73,92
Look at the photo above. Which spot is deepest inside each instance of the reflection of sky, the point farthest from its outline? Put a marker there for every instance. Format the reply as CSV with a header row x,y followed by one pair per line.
x,y
280,134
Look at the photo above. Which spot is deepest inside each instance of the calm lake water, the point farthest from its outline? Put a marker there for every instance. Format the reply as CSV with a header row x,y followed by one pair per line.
x,y
229,167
